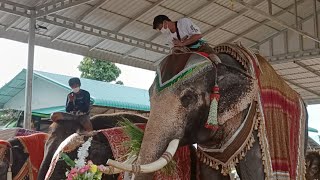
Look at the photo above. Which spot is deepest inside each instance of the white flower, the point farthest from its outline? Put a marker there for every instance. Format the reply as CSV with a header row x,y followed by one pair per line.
x,y
83,153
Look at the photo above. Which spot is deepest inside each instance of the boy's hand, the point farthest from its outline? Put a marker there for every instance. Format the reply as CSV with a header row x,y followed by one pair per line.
x,y
71,97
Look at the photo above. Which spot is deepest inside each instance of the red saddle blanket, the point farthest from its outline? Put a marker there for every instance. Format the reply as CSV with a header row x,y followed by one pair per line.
x,y
285,118
34,146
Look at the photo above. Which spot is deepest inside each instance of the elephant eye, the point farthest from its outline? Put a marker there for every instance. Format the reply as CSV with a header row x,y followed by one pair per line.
x,y
187,98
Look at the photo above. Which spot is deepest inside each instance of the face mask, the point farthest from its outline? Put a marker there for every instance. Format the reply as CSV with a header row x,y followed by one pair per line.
x,y
76,90
165,30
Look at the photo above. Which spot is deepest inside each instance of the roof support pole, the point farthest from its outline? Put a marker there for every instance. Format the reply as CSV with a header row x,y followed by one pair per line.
x,y
29,78
274,19
270,7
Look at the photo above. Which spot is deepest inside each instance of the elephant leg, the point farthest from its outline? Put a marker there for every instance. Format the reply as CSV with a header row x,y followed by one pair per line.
x,y
207,173
251,166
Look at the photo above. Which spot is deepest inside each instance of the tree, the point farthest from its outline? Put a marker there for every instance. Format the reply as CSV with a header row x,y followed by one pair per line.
x,y
100,70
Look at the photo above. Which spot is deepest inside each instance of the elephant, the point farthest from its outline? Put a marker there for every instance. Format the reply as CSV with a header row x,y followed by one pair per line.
x,y
313,165
23,155
99,144
226,103
66,124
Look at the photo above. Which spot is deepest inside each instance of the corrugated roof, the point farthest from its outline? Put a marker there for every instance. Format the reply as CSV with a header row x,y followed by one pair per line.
x,y
102,93
121,31
45,112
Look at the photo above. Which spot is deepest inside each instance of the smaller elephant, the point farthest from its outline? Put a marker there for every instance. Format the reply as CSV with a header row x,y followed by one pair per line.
x,y
101,148
67,124
21,154
313,165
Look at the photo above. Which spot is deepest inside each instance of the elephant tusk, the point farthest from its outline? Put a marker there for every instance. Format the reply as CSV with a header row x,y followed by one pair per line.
x,y
113,170
151,167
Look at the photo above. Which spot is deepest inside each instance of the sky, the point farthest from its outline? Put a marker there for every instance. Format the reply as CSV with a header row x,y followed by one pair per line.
x,y
14,59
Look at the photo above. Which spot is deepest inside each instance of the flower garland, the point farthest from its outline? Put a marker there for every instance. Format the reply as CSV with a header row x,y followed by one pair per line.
x,y
80,170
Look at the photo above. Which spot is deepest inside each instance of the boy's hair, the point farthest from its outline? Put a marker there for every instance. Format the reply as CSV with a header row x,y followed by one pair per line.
x,y
74,81
159,20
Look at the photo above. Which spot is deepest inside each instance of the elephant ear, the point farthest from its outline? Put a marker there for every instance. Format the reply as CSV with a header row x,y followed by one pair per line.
x,y
176,66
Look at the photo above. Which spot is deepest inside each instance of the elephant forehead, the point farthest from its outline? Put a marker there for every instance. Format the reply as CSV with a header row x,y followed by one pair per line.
x,y
178,68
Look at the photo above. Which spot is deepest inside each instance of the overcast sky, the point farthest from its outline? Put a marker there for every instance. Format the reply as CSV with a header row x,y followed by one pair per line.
x,y
14,59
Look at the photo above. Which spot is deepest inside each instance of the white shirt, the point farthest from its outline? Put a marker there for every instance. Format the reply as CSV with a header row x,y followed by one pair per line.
x,y
186,29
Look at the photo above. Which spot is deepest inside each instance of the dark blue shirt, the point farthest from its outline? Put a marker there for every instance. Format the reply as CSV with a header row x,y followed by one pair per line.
x,y
80,103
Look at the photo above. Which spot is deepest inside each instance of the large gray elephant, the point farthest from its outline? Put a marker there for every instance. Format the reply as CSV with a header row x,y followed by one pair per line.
x,y
258,125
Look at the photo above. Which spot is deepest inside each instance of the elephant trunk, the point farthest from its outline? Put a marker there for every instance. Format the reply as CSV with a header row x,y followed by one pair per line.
x,y
49,152
158,134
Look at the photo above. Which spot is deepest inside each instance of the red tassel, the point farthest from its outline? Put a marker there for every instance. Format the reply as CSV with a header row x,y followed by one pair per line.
x,y
212,127
215,93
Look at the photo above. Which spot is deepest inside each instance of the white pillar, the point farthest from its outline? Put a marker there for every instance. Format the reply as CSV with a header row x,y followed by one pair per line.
x,y
29,78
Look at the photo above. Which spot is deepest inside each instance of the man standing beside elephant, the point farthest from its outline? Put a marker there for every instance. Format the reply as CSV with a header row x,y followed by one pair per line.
x,y
182,33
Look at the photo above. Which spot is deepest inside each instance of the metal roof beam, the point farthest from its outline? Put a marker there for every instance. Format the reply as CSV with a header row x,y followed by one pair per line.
x,y
304,88
218,26
81,17
59,34
96,44
14,8
274,19
283,30
307,68
295,56
209,2
75,48
270,7
56,6
262,23
92,9
246,17
316,22
135,48
103,33
139,15
18,18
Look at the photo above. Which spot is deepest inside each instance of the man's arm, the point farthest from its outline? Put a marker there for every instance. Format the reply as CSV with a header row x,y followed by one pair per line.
x,y
189,41
193,31
69,105
86,99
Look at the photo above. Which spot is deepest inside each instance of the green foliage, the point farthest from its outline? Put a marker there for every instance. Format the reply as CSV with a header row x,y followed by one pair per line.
x,y
67,159
134,144
8,115
100,70
135,134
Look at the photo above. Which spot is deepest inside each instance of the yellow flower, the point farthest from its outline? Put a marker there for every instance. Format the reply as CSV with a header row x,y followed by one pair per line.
x,y
93,168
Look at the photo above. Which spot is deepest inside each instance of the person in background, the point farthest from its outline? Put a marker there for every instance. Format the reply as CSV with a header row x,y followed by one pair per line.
x,y
78,101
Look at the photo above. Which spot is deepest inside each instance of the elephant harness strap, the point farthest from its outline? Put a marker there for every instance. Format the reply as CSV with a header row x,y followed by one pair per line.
x,y
234,148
